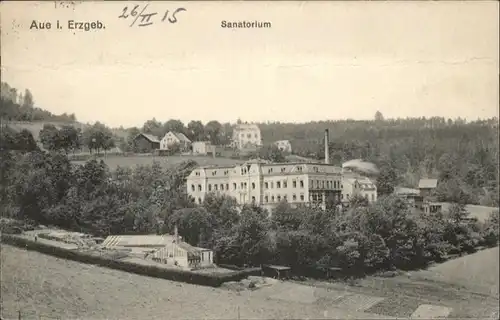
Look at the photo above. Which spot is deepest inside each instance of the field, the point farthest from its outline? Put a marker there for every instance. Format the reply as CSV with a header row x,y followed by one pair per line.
x,y
44,287
478,272
480,212
168,161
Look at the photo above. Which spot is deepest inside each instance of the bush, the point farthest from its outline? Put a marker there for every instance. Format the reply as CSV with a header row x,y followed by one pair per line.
x,y
212,280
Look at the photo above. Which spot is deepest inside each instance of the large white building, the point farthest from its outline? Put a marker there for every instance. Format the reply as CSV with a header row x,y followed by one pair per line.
x,y
267,184
246,135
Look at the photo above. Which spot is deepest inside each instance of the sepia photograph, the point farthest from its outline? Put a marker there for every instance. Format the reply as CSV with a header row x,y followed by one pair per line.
x,y
249,160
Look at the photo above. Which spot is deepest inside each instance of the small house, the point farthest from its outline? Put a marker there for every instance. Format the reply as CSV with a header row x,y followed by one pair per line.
x,y
175,138
146,143
203,148
427,186
167,249
284,145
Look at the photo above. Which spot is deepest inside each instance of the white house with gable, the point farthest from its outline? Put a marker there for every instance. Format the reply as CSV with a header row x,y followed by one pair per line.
x,y
172,138
246,135
284,145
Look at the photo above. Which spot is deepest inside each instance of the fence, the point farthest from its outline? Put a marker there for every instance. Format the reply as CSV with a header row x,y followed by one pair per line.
x,y
25,314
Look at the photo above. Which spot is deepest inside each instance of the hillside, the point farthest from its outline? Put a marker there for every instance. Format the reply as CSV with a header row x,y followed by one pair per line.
x,y
41,287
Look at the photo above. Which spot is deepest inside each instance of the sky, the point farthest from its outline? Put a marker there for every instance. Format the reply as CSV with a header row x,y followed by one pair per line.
x,y
318,61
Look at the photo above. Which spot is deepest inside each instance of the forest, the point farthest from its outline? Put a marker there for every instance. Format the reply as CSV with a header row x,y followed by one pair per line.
x,y
45,187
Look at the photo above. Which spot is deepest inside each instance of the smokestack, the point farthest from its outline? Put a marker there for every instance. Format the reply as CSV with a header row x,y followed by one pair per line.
x,y
176,234
327,151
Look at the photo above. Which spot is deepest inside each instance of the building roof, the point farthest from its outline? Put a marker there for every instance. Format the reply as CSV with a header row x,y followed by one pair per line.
x,y
189,248
427,183
181,136
149,137
137,240
363,182
246,126
406,191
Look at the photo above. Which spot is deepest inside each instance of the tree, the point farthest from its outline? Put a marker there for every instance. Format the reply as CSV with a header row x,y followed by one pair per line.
x,y
386,180
49,136
271,153
153,127
173,125
378,116
98,137
28,101
196,131
69,138
24,141
213,130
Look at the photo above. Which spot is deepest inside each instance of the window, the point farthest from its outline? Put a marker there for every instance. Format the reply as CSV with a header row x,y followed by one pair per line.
x,y
278,184
253,199
227,186
301,197
234,185
222,186
347,195
342,196
192,187
285,198
253,185
315,169
242,185
373,197
272,198
199,200
283,169
245,184
279,198
284,184
294,184
256,136
294,197
299,169
266,198
266,185
215,187
199,187
209,187
301,183
270,170
323,184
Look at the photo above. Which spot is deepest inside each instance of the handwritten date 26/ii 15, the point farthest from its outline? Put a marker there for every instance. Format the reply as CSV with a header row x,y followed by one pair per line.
x,y
145,20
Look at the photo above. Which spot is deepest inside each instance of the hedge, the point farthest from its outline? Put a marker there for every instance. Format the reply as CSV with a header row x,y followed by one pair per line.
x,y
212,280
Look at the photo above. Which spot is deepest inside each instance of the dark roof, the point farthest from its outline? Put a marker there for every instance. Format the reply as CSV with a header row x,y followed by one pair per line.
x,y
149,137
181,136
427,183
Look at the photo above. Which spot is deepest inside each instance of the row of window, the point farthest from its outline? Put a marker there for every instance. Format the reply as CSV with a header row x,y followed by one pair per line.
x,y
270,185
279,198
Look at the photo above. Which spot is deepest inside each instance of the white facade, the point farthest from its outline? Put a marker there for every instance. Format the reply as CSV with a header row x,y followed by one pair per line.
x,y
203,148
246,135
268,184
358,185
171,138
284,145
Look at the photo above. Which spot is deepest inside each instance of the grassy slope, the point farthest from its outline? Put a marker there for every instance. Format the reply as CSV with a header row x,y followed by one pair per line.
x,y
480,212
114,161
41,285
